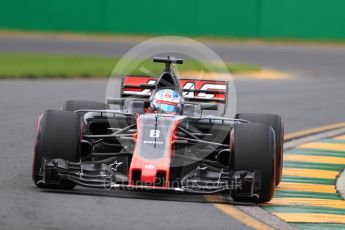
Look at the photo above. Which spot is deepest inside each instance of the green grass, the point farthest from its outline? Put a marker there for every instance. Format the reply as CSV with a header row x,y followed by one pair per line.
x,y
35,66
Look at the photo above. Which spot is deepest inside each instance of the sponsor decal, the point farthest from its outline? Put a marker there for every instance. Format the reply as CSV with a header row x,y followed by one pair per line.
x,y
201,168
149,166
166,102
167,95
154,142
115,165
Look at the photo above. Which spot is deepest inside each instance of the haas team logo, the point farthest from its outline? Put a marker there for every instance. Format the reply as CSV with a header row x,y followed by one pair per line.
x,y
192,89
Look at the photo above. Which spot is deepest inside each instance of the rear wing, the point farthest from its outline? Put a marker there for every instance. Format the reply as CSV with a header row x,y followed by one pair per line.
x,y
193,89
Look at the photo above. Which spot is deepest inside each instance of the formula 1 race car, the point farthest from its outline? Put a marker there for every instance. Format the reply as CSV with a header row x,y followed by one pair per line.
x,y
163,134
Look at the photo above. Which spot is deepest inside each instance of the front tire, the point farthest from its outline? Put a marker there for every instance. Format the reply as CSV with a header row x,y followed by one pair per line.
x,y
253,150
276,123
58,136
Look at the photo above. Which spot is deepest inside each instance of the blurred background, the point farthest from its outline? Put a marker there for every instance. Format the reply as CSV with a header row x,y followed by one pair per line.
x,y
289,52
293,19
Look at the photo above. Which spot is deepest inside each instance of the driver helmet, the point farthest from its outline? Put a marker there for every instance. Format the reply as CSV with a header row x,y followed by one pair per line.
x,y
167,101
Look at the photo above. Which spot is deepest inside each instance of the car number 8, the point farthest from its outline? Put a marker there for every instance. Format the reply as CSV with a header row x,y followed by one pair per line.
x,y
154,133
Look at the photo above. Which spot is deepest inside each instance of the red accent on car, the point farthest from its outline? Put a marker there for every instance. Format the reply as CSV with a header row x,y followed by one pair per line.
x,y
149,168
38,130
166,102
131,85
129,80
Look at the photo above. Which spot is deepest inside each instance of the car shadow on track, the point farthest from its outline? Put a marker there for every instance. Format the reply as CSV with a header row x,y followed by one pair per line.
x,y
152,195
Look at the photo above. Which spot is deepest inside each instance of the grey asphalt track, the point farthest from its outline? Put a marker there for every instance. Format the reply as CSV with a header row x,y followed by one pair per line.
x,y
314,98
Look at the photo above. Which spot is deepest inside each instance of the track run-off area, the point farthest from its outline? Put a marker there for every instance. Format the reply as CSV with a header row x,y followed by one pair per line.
x,y
307,196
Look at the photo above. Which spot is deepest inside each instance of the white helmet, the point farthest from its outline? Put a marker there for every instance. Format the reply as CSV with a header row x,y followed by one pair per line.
x,y
167,101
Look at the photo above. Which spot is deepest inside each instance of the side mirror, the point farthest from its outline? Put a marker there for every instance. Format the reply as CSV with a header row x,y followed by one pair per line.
x,y
115,101
208,106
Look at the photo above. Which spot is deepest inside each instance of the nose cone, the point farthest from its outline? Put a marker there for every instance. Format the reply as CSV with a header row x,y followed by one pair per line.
x,y
150,163
148,174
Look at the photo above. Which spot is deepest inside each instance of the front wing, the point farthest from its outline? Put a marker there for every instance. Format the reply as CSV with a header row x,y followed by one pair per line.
x,y
105,175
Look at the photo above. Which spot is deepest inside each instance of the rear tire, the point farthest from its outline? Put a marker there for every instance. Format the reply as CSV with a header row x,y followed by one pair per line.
x,y
58,136
253,150
276,123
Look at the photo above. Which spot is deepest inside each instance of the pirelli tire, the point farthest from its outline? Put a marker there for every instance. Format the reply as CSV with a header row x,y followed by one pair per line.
x,y
58,136
73,105
275,121
253,150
